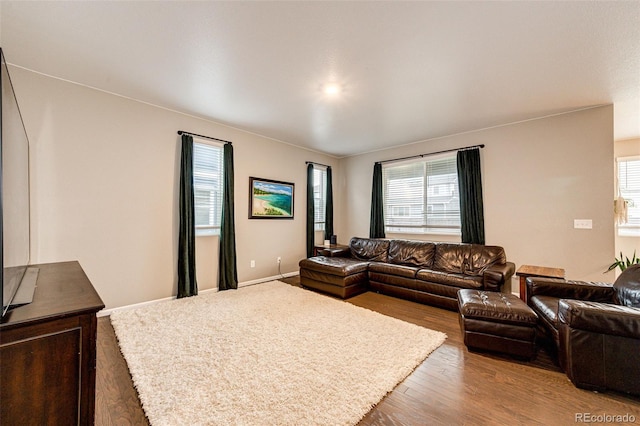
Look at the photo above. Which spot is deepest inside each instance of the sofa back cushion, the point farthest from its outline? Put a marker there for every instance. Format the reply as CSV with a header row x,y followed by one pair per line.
x,y
412,253
627,287
450,258
468,259
484,256
369,249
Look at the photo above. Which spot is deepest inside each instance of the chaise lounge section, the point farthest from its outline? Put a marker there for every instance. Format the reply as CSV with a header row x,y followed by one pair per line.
x,y
338,276
420,271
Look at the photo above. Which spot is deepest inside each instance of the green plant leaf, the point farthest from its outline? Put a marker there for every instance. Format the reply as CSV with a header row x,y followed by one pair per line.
x,y
612,267
624,262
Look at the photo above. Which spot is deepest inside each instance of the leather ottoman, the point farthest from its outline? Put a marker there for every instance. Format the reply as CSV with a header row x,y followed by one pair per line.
x,y
497,322
338,276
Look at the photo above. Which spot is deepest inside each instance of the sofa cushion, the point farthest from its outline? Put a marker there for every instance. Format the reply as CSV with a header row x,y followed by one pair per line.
x,y
450,258
547,309
389,269
449,279
334,265
483,257
467,259
412,253
369,249
441,290
627,287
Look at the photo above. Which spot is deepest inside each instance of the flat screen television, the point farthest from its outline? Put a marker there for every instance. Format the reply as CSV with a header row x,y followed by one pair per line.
x,y
14,204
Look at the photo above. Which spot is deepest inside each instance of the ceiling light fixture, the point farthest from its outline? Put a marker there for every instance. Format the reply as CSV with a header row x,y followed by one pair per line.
x,y
332,89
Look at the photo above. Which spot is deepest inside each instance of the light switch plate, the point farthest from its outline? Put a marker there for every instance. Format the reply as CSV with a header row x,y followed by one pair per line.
x,y
582,223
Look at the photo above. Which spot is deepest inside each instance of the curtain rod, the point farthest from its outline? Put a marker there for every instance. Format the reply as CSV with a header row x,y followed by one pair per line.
x,y
317,164
180,132
431,153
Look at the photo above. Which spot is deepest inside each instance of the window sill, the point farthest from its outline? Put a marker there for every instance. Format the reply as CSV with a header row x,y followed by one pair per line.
x,y
207,233
426,232
633,233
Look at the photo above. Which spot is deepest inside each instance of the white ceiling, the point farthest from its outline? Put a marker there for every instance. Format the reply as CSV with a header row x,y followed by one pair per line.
x,y
410,71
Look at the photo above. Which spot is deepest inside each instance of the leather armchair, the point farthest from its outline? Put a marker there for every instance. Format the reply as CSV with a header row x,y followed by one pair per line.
x,y
596,328
544,295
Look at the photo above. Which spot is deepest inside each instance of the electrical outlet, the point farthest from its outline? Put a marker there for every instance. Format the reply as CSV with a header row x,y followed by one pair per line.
x,y
253,263
279,260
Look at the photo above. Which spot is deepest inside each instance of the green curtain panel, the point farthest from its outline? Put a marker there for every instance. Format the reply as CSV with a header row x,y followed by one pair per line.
x,y
328,213
471,204
376,226
310,211
228,268
187,235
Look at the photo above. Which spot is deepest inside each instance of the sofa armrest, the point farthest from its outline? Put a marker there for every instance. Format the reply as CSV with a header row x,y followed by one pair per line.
x,y
335,252
570,289
601,318
342,252
599,345
496,275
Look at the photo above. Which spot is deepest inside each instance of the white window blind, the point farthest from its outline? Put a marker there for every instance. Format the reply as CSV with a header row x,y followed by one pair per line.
x,y
207,187
421,196
629,187
319,197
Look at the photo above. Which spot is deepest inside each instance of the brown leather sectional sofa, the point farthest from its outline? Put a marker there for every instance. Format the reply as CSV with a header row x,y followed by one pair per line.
x,y
595,327
421,271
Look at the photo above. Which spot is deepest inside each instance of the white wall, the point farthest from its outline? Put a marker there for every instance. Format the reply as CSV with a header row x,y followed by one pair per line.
x,y
538,176
105,190
105,175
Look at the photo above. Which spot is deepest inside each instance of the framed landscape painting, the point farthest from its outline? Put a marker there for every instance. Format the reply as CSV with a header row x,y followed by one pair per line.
x,y
270,199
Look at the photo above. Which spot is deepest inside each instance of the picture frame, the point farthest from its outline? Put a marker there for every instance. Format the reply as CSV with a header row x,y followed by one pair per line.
x,y
270,199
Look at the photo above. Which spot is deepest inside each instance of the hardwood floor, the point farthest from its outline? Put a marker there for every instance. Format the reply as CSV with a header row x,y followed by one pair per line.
x,y
452,386
117,402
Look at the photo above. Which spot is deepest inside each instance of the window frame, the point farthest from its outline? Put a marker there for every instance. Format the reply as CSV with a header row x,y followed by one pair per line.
x,y
216,188
422,209
319,208
626,229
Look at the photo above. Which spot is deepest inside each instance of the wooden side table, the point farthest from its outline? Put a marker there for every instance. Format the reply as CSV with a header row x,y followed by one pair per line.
x,y
525,271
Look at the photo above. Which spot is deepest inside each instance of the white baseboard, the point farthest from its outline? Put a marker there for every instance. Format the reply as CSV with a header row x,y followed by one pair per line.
x,y
107,312
263,280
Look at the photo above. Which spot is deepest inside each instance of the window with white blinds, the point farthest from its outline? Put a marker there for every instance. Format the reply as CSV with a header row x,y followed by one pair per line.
x,y
629,188
207,187
319,197
421,196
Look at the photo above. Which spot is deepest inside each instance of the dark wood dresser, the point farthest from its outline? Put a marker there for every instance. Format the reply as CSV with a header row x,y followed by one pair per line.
x,y
48,351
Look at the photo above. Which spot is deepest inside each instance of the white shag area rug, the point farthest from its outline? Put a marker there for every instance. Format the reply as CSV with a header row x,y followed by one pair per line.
x,y
268,354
